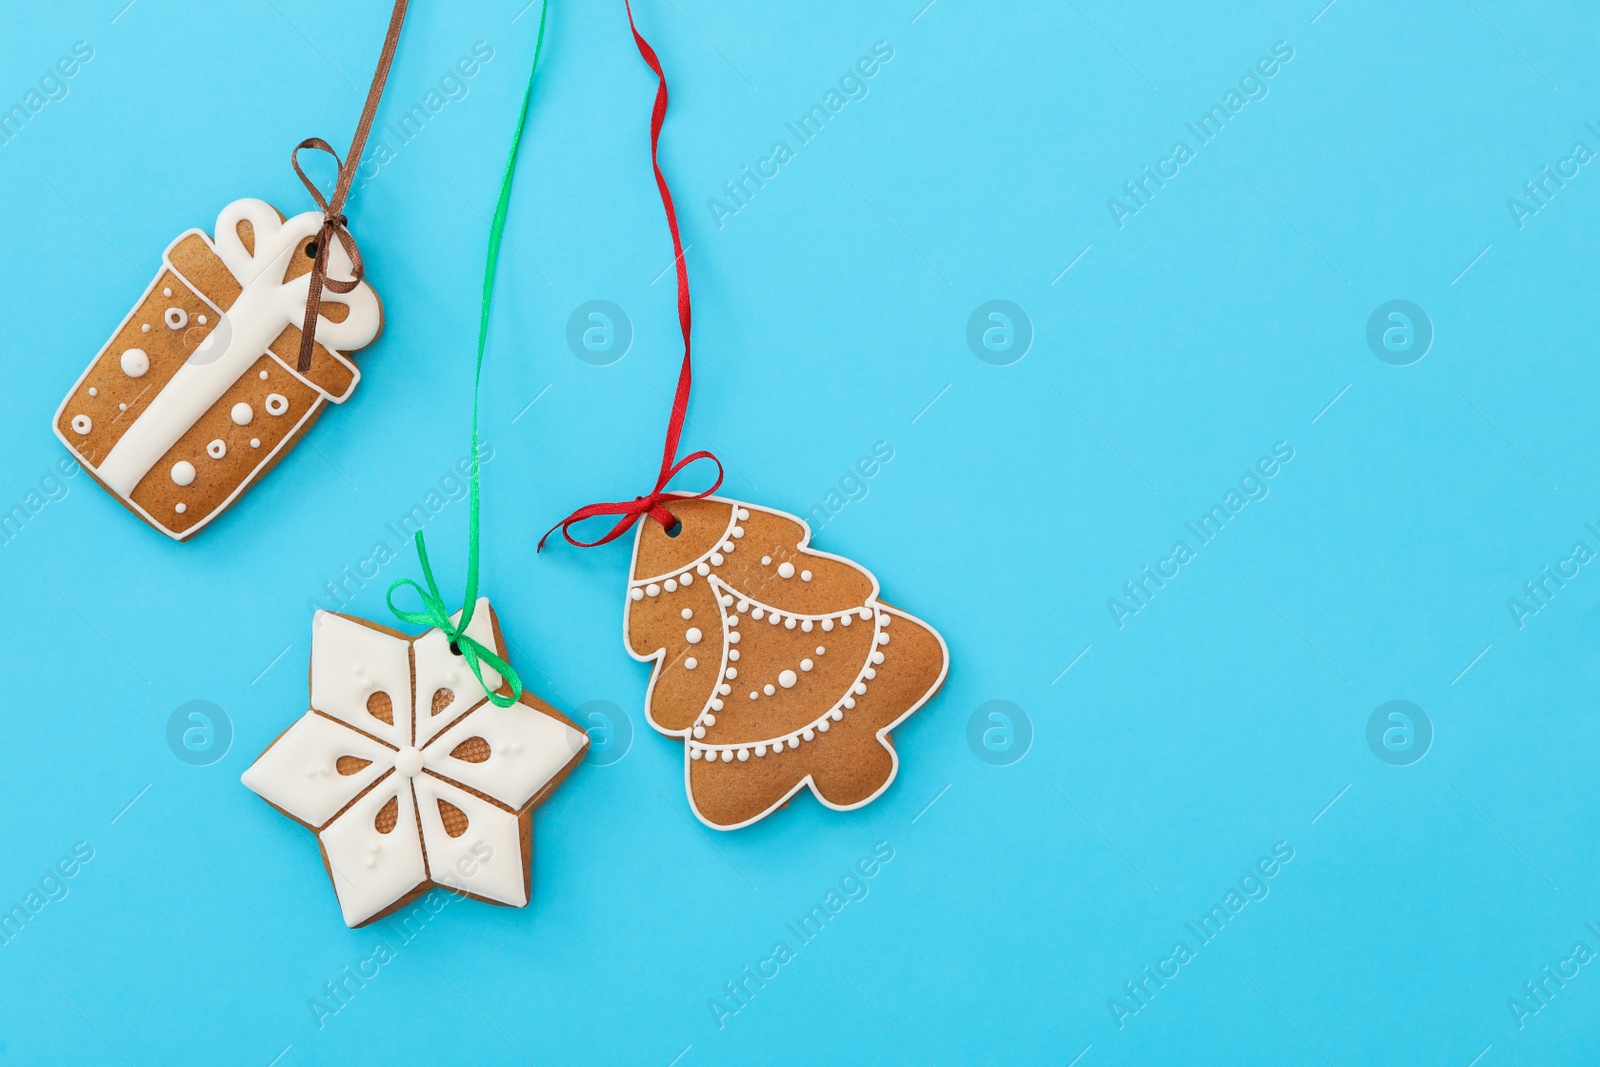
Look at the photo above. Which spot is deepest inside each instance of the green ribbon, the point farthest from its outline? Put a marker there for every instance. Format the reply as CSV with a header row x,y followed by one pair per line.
x,y
433,611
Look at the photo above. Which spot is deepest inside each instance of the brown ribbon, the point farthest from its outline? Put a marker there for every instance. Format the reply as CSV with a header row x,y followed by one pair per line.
x,y
334,223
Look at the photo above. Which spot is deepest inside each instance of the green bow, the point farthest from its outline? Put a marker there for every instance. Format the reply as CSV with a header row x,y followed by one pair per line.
x,y
434,612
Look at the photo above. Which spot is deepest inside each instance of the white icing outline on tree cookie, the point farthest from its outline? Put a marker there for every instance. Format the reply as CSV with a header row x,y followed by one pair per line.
x,y
638,589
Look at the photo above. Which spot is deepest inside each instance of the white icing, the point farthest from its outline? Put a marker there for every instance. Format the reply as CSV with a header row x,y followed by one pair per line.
x,y
690,663
241,414
692,635
298,772
135,363
687,614
181,508
265,306
255,442
82,424
176,318
787,679
276,404
786,569
217,449
93,391
166,291
182,472
805,576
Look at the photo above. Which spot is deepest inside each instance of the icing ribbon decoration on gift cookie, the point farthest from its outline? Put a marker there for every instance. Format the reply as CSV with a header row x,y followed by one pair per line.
x,y
231,353
777,664
413,772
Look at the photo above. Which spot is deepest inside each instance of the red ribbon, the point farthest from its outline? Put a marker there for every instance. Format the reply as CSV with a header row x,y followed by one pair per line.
x,y
654,504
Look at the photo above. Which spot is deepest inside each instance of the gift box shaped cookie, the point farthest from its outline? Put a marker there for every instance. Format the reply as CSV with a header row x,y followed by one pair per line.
x,y
197,395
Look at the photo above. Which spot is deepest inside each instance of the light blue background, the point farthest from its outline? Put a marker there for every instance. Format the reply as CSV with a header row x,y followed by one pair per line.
x,y
1227,715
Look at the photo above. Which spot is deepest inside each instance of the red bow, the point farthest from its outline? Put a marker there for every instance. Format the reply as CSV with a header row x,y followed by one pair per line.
x,y
654,505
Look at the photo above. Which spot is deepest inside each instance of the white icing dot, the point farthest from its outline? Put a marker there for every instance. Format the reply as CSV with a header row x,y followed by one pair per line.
x,y
758,613
690,664
727,755
82,424
767,689
166,291
694,753
716,705
809,734
734,637
144,327
877,657
724,689
176,318
805,626
716,559
774,618
702,570
860,688
786,569
122,407
728,546
846,620
653,589
883,639
93,391
823,725
788,624
836,714
687,613
241,414
733,654
182,472
787,679
692,635
699,731
761,750
670,585
827,625
255,442
869,674
711,720
733,620
263,375
848,702
134,362
636,593
731,672
725,600
744,754
754,694
821,650
806,665
685,578
216,449
766,561
181,508
738,531
277,403
884,618
794,742
805,576
865,613
742,513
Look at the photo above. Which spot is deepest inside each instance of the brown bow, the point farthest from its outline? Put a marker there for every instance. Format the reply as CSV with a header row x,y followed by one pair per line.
x,y
334,223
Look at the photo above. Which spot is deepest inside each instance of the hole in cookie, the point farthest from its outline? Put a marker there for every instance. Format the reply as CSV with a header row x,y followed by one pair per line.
x,y
352,764
442,699
311,250
380,707
473,750
388,816
675,529
334,312
247,235
454,819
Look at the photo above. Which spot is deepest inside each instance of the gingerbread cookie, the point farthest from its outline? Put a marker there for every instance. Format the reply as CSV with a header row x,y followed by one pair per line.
x,y
197,395
409,775
776,663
